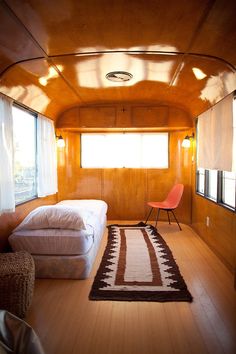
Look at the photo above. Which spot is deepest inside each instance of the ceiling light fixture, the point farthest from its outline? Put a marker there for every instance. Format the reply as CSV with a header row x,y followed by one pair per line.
x,y
119,76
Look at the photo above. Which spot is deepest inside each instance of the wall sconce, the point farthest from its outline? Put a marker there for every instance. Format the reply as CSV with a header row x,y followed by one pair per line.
x,y
186,141
60,141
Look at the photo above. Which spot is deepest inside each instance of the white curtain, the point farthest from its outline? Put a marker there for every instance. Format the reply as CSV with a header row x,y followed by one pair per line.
x,y
7,194
46,157
215,137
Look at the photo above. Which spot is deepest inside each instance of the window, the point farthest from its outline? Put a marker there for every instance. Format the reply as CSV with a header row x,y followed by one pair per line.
x,y
219,186
212,184
124,150
201,180
24,136
228,188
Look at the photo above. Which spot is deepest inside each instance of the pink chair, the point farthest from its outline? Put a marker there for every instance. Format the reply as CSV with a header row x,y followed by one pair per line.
x,y
169,204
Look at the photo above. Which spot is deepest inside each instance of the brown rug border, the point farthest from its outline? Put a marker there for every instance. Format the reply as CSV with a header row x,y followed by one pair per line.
x,y
97,293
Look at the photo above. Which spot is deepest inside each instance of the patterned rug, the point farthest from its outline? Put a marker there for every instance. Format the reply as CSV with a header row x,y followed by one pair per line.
x,y
137,265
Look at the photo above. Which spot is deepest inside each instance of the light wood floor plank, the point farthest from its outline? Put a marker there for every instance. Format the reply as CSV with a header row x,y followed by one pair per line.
x,y
68,323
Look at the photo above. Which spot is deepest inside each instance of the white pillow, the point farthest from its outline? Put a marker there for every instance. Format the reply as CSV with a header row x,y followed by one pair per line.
x,y
55,217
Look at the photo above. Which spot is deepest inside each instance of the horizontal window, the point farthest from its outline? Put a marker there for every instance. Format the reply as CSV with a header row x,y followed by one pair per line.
x,y
219,186
113,150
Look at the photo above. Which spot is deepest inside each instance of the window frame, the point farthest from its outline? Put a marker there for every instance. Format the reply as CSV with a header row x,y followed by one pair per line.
x,y
219,197
197,182
34,114
208,185
222,192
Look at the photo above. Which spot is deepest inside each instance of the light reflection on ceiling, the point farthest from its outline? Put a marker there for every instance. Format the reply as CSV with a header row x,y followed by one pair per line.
x,y
93,73
31,95
218,86
52,73
199,74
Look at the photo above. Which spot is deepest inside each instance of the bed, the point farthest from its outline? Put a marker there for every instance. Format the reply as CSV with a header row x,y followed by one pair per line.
x,y
63,238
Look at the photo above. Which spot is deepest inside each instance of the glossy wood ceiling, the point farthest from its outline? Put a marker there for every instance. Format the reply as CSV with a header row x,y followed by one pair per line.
x,y
54,54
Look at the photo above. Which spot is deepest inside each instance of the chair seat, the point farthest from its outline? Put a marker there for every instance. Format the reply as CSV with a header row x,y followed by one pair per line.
x,y
161,205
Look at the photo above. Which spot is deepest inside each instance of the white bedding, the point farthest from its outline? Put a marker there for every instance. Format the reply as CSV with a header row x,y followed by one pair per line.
x,y
98,207
64,242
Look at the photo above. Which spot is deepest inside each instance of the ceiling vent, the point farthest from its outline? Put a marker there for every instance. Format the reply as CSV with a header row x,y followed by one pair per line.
x,y
119,76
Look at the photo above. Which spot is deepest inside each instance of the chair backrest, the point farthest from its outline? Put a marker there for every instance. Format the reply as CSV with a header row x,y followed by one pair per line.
x,y
175,195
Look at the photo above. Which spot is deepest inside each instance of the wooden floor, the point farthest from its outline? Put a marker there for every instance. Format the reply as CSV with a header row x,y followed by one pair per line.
x,y
67,322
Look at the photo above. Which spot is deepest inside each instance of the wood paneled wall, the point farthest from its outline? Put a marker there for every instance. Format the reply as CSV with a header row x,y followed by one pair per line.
x,y
125,190
9,221
220,235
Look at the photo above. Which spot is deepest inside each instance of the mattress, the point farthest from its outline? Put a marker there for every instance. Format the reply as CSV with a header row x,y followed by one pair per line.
x,y
68,266
54,241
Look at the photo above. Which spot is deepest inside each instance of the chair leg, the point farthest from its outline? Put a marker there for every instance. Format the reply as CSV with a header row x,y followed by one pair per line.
x,y
157,218
149,215
176,220
168,216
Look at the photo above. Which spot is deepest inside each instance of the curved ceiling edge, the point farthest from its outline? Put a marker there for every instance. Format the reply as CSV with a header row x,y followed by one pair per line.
x,y
135,52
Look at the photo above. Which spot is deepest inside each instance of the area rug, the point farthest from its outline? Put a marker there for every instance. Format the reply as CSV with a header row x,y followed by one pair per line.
x,y
137,265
